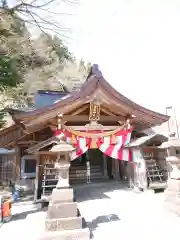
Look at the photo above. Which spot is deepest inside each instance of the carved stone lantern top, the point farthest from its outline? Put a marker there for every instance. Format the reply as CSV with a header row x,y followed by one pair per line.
x,y
62,147
171,143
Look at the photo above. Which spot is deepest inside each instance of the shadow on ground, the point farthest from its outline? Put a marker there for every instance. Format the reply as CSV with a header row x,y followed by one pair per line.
x,y
24,214
25,199
97,191
99,220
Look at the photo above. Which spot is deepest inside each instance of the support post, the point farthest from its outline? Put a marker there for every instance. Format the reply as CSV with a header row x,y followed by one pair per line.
x,y
116,169
18,163
105,165
37,178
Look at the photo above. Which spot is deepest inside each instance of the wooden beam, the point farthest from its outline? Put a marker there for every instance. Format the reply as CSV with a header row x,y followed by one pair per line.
x,y
35,128
79,110
84,128
26,132
85,118
107,111
27,142
46,152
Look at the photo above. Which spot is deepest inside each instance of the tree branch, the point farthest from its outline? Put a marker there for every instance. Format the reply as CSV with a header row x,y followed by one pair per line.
x,y
25,5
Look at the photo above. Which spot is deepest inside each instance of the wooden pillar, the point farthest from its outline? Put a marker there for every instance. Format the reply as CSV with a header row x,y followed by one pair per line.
x,y
121,170
131,174
116,169
37,177
18,163
105,165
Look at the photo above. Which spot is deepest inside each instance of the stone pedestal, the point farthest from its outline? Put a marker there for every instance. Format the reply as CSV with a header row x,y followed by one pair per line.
x,y
63,222
172,193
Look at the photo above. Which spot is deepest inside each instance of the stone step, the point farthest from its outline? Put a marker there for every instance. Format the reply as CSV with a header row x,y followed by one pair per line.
x,y
63,224
157,185
77,234
62,210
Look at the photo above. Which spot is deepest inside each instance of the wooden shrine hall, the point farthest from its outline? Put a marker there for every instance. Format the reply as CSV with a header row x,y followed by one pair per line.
x,y
96,120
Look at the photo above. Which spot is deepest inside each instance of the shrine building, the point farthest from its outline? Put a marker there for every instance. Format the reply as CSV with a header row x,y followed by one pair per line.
x,y
99,122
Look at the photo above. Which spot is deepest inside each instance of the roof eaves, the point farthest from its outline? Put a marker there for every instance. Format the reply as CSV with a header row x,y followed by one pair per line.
x,y
143,140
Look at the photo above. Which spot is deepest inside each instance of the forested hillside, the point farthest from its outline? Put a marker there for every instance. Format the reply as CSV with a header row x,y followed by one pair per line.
x,y
28,64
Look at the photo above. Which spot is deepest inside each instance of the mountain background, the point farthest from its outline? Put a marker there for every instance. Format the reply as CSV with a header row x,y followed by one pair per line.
x,y
30,64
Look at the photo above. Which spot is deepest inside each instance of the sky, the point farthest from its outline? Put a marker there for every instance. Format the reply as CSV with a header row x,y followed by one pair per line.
x,y
136,44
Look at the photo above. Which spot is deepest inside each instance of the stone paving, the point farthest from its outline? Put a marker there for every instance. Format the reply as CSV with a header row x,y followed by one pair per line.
x,y
111,212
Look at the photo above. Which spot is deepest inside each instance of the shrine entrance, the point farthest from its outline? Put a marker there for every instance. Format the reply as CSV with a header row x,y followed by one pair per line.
x,y
101,168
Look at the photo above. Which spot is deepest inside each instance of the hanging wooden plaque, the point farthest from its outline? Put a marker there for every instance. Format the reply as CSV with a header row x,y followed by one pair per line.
x,y
94,112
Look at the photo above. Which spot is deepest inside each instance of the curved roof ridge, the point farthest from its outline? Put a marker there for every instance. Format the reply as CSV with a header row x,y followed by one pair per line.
x,y
126,100
95,80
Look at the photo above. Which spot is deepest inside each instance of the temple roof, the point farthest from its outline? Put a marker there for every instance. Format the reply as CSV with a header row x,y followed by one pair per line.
x,y
95,87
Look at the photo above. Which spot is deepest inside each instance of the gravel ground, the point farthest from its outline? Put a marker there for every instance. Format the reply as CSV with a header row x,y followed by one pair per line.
x,y
111,212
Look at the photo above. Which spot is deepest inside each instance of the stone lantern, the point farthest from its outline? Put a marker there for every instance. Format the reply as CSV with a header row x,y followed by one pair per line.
x,y
62,163
172,193
63,221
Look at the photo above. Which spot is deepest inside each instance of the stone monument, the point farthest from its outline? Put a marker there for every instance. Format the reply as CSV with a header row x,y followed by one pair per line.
x,y
172,193
62,221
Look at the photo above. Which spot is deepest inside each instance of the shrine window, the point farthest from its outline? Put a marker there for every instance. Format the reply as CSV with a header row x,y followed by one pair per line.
x,y
178,151
28,166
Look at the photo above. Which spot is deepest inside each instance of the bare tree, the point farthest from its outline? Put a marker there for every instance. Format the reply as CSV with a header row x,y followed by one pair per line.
x,y
39,13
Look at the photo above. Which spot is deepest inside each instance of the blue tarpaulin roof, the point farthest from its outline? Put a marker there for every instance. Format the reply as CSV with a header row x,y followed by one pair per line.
x,y
46,98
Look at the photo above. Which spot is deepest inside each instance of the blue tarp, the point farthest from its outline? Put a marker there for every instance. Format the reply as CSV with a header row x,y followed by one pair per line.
x,y
46,98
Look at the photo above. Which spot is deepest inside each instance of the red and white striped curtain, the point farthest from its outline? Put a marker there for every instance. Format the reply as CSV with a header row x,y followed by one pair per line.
x,y
116,150
112,146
